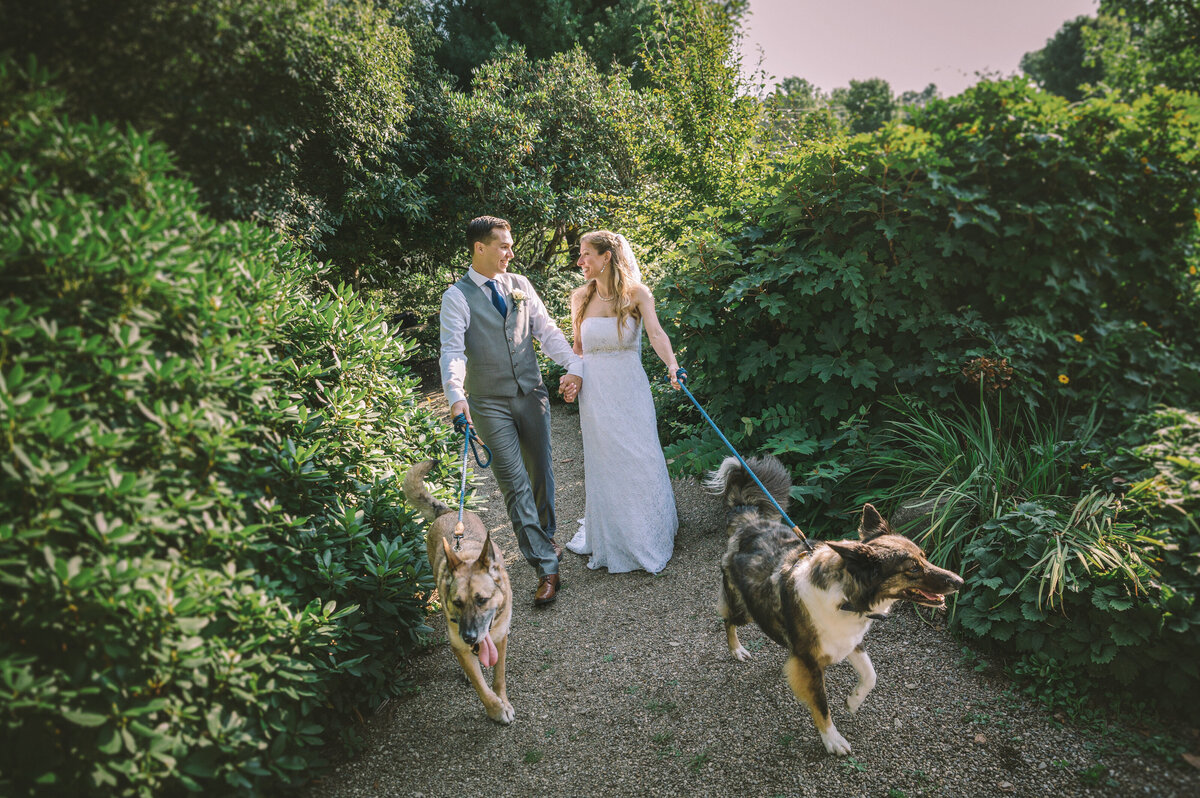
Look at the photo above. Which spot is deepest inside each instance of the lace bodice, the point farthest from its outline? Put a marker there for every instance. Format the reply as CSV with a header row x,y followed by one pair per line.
x,y
601,336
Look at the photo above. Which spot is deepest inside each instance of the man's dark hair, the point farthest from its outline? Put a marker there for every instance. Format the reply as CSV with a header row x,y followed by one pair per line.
x,y
480,229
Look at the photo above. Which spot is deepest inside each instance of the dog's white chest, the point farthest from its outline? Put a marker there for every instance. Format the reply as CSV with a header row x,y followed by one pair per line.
x,y
838,632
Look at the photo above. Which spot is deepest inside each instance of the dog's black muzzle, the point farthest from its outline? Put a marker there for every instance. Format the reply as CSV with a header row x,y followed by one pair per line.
x,y
472,631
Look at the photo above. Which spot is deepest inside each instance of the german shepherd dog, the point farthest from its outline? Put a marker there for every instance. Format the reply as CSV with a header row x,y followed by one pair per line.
x,y
820,604
474,590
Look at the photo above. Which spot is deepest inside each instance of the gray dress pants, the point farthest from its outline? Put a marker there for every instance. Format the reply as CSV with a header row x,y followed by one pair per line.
x,y
517,430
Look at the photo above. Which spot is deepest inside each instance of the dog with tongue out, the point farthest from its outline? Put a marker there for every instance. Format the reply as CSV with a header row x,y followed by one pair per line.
x,y
474,590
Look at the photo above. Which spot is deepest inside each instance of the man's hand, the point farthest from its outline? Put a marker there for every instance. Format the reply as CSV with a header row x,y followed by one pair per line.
x,y
460,407
569,386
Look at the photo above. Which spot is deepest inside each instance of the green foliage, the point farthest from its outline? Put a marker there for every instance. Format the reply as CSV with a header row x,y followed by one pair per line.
x,y
1162,461
703,142
798,111
1065,63
946,474
1002,224
476,31
285,112
1074,588
1147,43
868,103
205,563
549,145
911,100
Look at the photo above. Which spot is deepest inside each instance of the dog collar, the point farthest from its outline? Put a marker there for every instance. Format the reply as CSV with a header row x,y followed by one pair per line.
x,y
848,607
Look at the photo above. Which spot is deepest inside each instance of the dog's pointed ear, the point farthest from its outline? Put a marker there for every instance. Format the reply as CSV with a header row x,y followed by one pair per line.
x,y
485,553
852,551
489,555
872,524
452,559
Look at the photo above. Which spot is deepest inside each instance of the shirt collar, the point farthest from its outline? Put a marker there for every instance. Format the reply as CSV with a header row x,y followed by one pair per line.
x,y
480,280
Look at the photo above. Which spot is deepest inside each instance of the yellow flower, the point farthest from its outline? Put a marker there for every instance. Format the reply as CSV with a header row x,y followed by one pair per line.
x,y
1191,269
1064,379
1078,338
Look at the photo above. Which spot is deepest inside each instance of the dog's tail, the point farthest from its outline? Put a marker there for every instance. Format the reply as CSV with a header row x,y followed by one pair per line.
x,y
419,496
733,483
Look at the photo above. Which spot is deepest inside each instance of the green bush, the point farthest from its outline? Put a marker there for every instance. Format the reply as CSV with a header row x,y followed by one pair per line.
x,y
1087,576
284,112
204,560
1003,224
1082,589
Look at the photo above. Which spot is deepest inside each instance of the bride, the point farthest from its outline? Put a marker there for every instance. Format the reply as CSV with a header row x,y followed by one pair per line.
x,y
629,518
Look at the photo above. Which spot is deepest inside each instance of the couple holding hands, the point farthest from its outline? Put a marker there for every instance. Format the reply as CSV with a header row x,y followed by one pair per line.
x,y
489,320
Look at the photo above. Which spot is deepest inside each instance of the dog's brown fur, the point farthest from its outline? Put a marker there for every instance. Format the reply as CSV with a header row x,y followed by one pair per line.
x,y
818,605
473,587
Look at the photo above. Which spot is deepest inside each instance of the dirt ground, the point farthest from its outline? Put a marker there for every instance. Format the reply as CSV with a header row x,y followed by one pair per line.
x,y
625,687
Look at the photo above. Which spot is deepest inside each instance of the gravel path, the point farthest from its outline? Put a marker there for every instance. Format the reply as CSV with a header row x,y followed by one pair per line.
x,y
624,687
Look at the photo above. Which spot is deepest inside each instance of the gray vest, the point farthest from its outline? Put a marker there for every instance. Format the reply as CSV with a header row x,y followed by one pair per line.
x,y
500,358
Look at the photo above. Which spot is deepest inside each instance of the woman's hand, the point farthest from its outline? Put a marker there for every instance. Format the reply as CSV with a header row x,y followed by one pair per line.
x,y
673,375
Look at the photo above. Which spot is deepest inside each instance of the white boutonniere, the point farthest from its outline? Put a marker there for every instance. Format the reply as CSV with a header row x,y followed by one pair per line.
x,y
518,296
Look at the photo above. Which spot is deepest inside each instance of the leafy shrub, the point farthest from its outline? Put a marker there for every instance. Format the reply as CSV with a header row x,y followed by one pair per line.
x,y
286,112
1003,223
1075,586
1060,569
204,560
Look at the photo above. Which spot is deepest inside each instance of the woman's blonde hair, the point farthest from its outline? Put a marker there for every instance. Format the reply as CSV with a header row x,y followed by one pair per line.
x,y
619,279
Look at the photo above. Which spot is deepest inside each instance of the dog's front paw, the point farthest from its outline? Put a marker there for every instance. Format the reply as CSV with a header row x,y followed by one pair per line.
x,y
740,654
835,743
502,712
854,701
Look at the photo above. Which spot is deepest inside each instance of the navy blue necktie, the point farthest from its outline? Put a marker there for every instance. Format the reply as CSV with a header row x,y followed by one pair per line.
x,y
497,300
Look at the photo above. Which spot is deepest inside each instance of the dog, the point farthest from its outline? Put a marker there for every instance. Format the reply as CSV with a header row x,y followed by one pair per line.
x,y
817,604
474,589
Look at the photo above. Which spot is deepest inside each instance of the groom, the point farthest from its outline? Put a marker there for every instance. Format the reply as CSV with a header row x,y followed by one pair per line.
x,y
489,319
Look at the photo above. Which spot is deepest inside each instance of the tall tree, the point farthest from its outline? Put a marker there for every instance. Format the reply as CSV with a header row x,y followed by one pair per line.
x,y
911,100
1066,62
1150,42
868,103
705,137
474,31
798,111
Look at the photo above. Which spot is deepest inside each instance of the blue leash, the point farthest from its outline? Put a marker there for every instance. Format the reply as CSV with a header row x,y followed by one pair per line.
x,y
681,376
470,444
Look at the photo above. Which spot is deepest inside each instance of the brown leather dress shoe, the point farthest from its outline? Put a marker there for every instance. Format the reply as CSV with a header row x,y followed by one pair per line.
x,y
547,590
557,549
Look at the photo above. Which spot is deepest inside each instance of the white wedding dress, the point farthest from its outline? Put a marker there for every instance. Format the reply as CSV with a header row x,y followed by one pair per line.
x,y
629,520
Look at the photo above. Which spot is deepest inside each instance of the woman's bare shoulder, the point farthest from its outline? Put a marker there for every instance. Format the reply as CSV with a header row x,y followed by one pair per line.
x,y
640,293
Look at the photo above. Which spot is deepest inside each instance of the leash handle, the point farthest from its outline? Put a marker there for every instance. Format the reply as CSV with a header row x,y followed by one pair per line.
x,y
682,376
461,425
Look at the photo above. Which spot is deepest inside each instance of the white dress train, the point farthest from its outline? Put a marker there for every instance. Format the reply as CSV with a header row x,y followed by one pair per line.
x,y
629,519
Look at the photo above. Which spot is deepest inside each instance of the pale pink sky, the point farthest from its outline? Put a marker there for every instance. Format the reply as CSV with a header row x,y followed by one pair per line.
x,y
909,43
